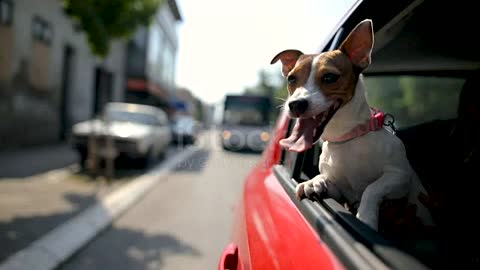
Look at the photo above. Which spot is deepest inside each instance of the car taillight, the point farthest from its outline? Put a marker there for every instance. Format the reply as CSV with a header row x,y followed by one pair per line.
x,y
229,259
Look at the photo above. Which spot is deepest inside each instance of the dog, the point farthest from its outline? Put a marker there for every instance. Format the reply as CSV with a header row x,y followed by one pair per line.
x,y
362,163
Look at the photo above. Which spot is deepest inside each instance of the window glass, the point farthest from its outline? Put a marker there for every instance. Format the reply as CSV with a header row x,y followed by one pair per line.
x,y
134,117
155,48
6,11
246,110
42,30
167,59
414,100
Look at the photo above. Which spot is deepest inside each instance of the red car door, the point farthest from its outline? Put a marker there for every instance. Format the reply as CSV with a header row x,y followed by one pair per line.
x,y
269,231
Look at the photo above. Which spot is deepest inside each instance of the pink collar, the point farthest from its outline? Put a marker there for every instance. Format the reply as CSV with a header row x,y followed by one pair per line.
x,y
375,123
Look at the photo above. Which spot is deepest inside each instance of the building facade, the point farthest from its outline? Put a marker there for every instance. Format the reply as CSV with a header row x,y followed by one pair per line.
x,y
49,79
151,59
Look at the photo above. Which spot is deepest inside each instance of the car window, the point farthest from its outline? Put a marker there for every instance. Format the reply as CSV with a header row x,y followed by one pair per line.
x,y
410,99
244,116
135,117
414,100
417,77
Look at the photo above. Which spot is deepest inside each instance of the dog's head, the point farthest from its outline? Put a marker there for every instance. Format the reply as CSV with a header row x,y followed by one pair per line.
x,y
319,84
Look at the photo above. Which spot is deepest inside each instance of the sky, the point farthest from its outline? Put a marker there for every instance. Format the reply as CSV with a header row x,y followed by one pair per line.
x,y
223,44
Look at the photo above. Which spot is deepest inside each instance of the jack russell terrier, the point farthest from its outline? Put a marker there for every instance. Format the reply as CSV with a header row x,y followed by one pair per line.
x,y
361,163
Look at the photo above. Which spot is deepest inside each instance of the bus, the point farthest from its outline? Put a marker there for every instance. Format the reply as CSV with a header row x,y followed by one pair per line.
x,y
245,123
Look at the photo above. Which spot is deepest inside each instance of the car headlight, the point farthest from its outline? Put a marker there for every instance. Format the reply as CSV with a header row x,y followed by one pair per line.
x,y
227,134
265,136
124,133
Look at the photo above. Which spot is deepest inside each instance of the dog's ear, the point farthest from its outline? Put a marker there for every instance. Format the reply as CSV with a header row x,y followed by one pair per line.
x,y
359,44
288,59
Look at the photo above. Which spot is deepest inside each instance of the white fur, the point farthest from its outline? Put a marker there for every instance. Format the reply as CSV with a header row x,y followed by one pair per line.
x,y
343,121
317,100
365,170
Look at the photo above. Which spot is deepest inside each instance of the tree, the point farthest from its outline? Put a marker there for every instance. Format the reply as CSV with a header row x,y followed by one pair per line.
x,y
105,20
199,107
273,86
414,99
265,86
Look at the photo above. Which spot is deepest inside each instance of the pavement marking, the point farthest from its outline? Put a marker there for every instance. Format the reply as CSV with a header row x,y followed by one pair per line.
x,y
62,242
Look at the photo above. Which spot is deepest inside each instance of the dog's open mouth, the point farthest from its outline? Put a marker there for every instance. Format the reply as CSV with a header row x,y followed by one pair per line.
x,y
307,131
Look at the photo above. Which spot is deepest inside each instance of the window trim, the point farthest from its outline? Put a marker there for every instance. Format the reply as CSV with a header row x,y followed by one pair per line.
x,y
284,152
356,245
9,19
45,29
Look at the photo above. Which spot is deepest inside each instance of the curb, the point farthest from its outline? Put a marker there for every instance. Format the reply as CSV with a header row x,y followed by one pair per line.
x,y
58,245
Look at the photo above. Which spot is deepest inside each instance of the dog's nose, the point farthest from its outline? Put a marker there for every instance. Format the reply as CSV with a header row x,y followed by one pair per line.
x,y
298,106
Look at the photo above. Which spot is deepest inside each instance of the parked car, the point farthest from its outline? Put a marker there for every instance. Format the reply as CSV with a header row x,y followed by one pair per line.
x,y
185,129
423,53
138,131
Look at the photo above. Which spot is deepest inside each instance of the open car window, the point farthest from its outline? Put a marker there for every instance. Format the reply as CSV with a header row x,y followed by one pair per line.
x,y
416,75
414,99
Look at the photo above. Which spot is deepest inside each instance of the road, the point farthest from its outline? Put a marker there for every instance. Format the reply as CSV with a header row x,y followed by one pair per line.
x,y
182,223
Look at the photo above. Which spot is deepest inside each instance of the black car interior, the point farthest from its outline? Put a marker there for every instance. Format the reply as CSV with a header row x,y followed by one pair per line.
x,y
420,38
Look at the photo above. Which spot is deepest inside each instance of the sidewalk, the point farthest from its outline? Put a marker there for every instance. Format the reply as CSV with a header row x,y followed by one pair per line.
x,y
45,219
37,159
30,207
41,188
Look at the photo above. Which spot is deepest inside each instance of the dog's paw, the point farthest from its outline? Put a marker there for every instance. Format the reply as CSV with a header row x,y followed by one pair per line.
x,y
308,189
369,219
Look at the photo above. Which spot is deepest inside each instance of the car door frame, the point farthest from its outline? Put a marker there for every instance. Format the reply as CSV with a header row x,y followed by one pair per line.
x,y
355,244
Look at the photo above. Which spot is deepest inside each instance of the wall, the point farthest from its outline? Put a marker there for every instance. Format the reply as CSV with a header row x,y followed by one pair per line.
x,y
31,96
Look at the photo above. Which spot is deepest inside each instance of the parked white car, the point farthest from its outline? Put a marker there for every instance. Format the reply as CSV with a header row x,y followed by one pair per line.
x,y
137,131
185,130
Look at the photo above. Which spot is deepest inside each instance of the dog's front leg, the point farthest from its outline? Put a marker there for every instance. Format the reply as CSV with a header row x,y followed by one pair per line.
x,y
319,185
392,185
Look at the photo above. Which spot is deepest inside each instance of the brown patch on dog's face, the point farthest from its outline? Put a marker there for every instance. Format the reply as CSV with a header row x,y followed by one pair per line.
x,y
335,76
298,76
317,82
321,79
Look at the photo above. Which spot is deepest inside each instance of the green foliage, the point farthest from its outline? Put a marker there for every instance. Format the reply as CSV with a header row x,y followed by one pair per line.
x,y
279,97
105,20
273,86
414,99
199,107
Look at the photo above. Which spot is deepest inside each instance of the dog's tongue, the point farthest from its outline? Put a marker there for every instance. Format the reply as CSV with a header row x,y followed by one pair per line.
x,y
303,136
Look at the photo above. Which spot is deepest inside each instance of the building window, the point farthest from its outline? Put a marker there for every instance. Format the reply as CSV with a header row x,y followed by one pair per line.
x,y
42,30
155,47
6,12
168,59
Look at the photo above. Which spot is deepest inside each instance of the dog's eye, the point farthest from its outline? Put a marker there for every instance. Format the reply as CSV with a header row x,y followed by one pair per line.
x,y
330,78
291,79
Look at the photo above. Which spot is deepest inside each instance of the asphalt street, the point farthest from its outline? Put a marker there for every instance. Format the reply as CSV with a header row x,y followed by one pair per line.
x,y
184,222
